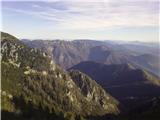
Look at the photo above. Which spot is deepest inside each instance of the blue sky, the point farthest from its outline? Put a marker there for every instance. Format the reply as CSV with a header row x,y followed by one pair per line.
x,y
128,20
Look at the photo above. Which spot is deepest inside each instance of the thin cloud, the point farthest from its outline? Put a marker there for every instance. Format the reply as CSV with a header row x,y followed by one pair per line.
x,y
95,15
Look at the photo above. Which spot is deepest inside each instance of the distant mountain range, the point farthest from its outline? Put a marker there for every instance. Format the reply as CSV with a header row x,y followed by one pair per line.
x,y
69,53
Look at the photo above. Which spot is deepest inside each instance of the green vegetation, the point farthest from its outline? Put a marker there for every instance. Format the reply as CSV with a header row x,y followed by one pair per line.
x,y
6,36
33,87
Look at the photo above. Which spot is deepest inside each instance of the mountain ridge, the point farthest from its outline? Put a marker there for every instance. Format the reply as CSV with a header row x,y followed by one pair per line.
x,y
69,53
43,87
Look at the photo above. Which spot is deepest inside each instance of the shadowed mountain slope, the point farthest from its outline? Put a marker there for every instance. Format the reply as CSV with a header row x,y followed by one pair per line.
x,y
124,81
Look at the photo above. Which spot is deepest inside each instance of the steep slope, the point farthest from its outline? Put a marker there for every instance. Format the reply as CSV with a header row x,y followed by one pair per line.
x,y
34,87
91,90
124,82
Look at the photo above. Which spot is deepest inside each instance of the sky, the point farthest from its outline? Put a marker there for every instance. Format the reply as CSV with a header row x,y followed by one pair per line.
x,y
127,20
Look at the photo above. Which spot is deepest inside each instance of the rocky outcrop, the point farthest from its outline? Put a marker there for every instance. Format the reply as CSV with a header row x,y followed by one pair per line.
x,y
94,92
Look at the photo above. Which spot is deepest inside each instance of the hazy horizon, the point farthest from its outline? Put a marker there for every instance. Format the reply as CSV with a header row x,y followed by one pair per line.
x,y
68,20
